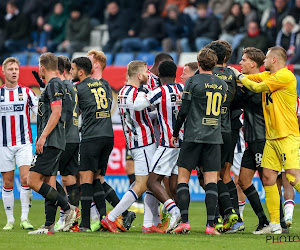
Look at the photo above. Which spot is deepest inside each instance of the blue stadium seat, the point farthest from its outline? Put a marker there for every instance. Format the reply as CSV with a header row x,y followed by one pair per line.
x,y
22,58
122,59
147,57
175,56
62,54
34,59
109,59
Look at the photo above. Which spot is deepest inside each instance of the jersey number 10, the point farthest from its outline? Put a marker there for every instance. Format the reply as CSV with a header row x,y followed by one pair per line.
x,y
213,105
100,97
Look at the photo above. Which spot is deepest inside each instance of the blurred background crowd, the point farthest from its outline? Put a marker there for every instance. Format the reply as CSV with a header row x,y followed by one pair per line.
x,y
114,26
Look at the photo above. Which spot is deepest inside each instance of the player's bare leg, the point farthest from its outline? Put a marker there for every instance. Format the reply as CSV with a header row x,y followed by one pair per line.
x,y
241,195
140,187
245,183
289,203
154,184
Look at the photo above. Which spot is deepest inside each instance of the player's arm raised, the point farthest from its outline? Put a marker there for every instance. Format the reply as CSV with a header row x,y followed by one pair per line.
x,y
145,100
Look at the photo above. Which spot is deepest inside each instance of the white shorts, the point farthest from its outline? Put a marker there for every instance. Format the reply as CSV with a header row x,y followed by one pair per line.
x,y
236,166
142,158
15,155
164,161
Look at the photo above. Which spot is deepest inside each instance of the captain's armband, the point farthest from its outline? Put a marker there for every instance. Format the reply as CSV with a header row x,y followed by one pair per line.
x,y
186,96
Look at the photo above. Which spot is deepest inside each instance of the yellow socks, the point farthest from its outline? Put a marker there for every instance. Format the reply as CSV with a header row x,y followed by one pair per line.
x,y
273,202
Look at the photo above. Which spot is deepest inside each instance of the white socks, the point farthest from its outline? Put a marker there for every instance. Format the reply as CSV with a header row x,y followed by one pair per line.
x,y
156,214
25,197
94,212
151,215
242,207
61,217
170,206
8,202
129,197
289,209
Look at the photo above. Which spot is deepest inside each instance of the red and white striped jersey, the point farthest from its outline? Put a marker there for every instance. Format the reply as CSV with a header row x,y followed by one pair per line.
x,y
168,101
241,144
137,125
15,106
153,81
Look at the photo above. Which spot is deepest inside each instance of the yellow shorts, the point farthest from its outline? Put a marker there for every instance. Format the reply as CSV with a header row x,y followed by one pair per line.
x,y
281,154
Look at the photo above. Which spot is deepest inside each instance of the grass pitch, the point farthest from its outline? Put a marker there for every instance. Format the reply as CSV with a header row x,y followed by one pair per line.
x,y
134,239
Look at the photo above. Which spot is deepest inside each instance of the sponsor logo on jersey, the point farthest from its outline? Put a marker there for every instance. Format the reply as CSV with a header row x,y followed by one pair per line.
x,y
12,108
213,86
210,121
224,77
94,84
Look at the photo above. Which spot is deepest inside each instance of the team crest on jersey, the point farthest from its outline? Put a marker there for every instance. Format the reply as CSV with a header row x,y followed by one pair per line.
x,y
20,97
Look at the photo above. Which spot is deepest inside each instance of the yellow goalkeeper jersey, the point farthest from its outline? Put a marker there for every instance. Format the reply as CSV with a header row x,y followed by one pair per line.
x,y
280,103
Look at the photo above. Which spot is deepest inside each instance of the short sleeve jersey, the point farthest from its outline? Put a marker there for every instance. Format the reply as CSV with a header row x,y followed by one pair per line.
x,y
227,76
280,103
207,93
95,100
72,132
167,99
53,92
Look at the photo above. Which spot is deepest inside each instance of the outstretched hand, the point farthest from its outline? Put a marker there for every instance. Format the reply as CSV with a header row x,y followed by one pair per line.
x,y
236,72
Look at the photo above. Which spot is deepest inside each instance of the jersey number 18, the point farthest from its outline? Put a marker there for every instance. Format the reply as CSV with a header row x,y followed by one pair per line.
x,y
100,97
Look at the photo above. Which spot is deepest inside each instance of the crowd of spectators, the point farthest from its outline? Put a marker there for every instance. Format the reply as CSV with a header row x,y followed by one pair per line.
x,y
150,25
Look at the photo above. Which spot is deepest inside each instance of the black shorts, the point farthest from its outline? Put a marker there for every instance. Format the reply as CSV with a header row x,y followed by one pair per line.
x,y
191,153
68,161
227,151
94,154
47,162
253,155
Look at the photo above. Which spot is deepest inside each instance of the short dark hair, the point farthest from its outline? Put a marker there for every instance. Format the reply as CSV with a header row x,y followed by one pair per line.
x,y
207,59
162,57
192,65
219,49
83,63
167,69
60,65
67,63
255,55
228,48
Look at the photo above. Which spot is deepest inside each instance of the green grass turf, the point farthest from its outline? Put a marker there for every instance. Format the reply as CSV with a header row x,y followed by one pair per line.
x,y
134,239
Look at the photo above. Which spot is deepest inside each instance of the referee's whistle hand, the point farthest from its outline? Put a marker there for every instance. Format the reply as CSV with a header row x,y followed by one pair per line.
x,y
173,141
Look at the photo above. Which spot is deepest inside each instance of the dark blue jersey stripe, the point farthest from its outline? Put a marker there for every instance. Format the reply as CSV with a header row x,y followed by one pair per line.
x,y
170,88
4,131
22,129
128,91
147,124
179,87
2,96
163,143
154,98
